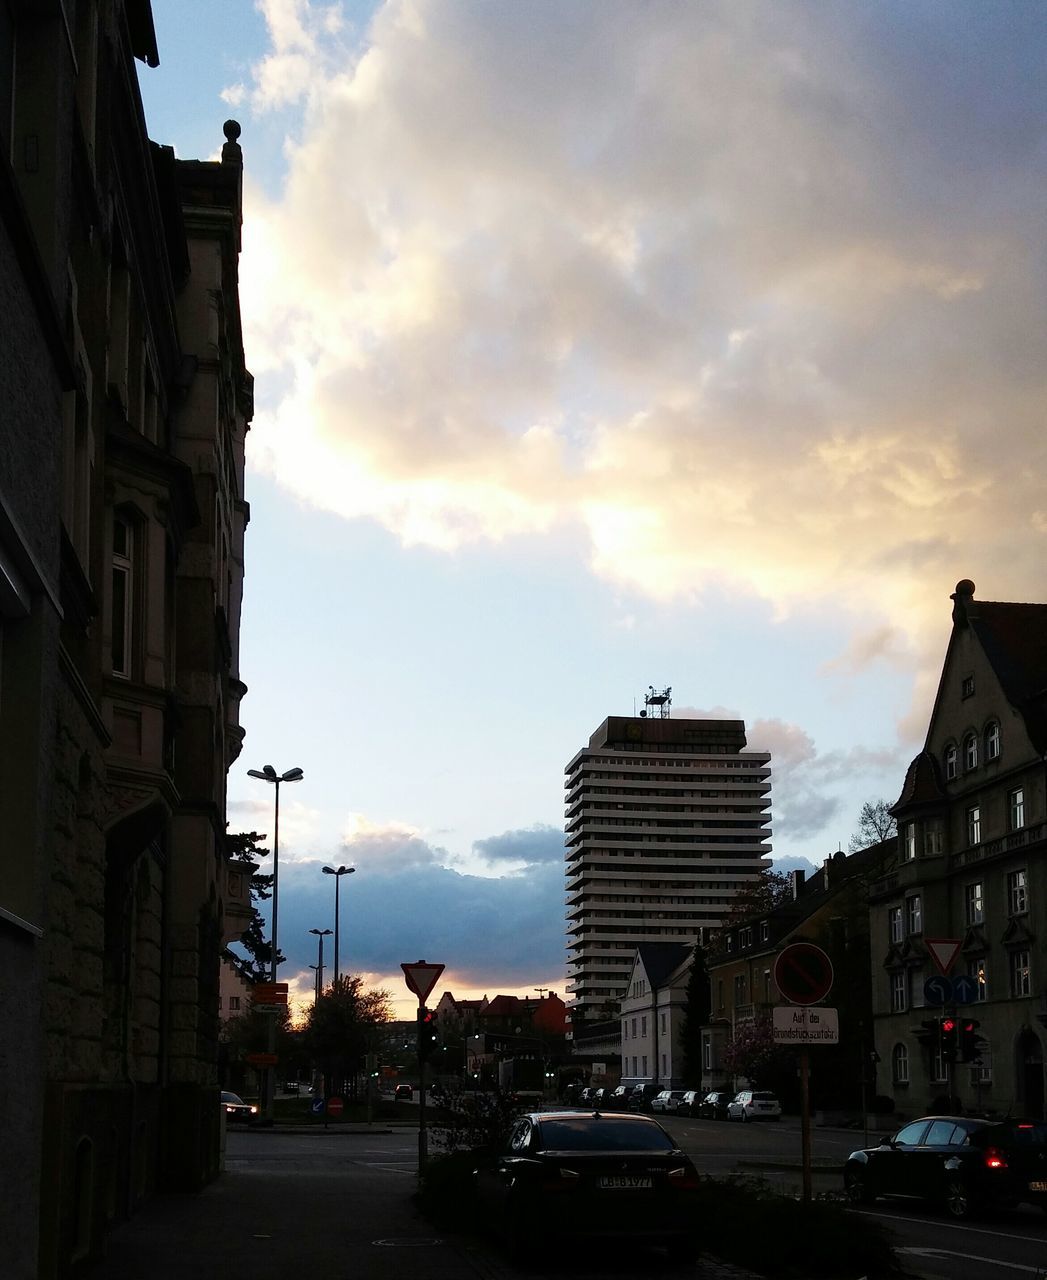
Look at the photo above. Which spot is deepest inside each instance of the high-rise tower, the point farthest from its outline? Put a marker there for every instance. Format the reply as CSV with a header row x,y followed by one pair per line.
x,y
666,820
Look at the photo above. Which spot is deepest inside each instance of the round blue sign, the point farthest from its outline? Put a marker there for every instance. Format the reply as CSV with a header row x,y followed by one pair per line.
x,y
938,990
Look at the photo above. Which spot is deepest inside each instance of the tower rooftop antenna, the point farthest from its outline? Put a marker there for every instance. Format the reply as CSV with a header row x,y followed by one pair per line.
x,y
658,703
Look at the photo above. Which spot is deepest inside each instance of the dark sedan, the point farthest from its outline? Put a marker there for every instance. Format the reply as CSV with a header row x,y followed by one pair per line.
x,y
964,1163
236,1110
714,1106
590,1176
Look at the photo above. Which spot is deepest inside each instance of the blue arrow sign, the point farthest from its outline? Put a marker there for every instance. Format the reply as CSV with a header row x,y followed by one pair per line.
x,y
938,990
317,1106
965,988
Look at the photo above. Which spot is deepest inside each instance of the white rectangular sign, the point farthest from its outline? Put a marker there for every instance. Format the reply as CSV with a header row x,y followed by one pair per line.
x,y
805,1024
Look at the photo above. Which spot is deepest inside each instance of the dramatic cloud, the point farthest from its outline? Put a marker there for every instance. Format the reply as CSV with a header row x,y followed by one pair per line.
x,y
539,843
748,294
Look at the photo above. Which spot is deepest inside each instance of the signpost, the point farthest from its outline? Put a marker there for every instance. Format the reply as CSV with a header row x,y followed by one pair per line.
x,y
421,977
804,975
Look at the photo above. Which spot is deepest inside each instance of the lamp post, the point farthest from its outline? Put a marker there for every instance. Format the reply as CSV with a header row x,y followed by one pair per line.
x,y
268,774
320,935
337,872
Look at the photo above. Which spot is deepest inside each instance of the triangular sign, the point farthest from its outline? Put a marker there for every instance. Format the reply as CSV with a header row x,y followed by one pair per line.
x,y
421,977
944,952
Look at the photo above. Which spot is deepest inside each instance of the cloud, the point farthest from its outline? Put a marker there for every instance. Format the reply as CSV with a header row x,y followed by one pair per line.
x,y
741,293
540,843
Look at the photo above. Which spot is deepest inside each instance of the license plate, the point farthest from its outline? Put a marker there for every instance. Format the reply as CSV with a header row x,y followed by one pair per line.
x,y
624,1182
1038,1186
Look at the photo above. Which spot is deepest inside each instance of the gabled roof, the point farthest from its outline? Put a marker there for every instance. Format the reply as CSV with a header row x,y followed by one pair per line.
x,y
659,959
1013,637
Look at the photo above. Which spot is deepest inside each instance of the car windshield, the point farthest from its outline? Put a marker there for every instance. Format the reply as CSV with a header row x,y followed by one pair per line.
x,y
231,1097
607,1135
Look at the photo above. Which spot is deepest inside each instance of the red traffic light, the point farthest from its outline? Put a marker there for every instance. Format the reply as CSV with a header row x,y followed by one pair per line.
x,y
948,1024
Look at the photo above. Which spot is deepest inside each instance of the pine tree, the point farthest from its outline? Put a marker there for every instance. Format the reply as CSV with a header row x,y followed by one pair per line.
x,y
245,846
697,1005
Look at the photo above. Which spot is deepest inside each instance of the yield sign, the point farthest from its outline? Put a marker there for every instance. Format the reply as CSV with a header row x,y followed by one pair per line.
x,y
944,952
421,977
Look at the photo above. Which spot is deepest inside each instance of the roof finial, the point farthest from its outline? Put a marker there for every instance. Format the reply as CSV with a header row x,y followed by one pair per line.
x,y
231,153
962,598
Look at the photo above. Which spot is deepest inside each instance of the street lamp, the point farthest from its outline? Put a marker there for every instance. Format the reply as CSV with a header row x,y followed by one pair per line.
x,y
320,935
337,872
268,774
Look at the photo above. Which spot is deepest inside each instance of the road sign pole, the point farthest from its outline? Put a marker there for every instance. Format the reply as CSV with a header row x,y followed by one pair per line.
x,y
423,1133
805,1121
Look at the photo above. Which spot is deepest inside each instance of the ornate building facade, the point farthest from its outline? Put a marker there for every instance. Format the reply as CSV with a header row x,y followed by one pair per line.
x,y
124,405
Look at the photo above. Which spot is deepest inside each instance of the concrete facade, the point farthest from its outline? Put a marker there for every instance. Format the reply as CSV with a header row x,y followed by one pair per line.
x,y
124,403
665,821
652,1015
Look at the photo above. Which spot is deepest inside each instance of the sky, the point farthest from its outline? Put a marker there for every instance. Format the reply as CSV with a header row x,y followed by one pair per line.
x,y
601,345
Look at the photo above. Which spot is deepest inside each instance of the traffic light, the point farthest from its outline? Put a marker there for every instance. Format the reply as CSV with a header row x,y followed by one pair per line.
x,y
428,1036
948,1039
970,1041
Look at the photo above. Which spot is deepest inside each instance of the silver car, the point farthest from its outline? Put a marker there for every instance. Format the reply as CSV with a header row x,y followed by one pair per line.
x,y
752,1104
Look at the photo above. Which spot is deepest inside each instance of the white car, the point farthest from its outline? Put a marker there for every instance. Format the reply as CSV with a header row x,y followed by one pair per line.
x,y
667,1100
752,1104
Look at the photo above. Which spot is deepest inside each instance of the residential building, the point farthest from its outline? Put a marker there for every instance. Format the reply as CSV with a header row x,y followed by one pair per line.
x,y
969,876
830,910
666,820
125,403
652,1015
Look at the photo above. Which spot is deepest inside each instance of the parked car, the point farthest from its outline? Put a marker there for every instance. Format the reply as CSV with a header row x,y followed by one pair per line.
x,y
689,1103
403,1092
619,1099
585,1098
604,1176
752,1104
965,1163
596,1101
667,1101
572,1094
714,1105
641,1097
236,1110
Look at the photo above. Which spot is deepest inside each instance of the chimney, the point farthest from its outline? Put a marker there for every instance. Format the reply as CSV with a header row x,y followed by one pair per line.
x,y
797,878
963,602
825,872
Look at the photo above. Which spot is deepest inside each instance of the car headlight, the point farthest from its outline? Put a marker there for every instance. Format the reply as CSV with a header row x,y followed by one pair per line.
x,y
254,1111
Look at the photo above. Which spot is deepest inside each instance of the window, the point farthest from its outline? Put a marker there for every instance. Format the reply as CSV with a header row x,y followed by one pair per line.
x,y
1017,895
894,917
977,970
981,1068
967,687
970,752
909,851
992,741
665,1067
933,838
730,942
900,1064
643,1032
898,993
234,1003
765,930
1016,806
939,1067
643,1061
719,993
625,1029
973,903
1021,977
663,1024
634,1028
974,824
950,760
914,914
123,589
740,989
707,1053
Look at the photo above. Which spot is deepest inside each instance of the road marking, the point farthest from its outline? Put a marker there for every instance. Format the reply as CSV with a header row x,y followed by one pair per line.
x,y
953,1226
970,1257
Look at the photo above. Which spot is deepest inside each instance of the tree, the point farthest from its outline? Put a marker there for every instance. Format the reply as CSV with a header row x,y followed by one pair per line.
x,y
875,823
752,1052
244,846
339,1028
769,890
697,1005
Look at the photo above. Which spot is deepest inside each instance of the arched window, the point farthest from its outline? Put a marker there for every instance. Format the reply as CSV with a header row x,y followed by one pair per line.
x,y
992,741
900,1064
950,760
970,752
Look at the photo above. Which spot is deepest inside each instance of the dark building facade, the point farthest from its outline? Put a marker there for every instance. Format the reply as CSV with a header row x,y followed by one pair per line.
x,y
124,405
969,879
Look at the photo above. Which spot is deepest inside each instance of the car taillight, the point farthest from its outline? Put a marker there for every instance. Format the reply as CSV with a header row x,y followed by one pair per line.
x,y
683,1179
995,1159
562,1180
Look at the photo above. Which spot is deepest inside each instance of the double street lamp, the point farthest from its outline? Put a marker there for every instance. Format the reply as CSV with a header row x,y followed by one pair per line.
x,y
268,774
337,872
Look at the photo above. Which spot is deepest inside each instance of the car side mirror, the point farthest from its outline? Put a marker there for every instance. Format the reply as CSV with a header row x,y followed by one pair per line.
x,y
886,1140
